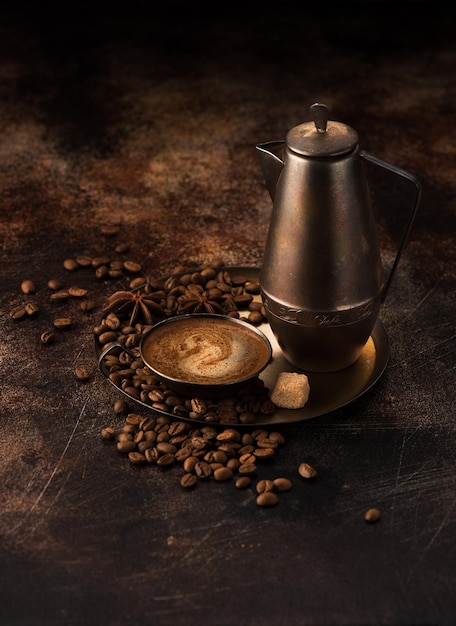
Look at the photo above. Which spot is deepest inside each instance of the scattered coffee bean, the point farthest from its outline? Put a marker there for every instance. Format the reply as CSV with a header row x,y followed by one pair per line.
x,y
61,295
77,292
108,433
243,482
47,337
54,284
71,265
31,309
18,313
63,323
87,305
100,261
372,515
264,485
307,471
222,474
120,407
267,498
132,267
282,484
188,481
82,373
110,231
84,260
28,287
136,458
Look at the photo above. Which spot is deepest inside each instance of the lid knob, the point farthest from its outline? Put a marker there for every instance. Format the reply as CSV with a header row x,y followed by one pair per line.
x,y
320,114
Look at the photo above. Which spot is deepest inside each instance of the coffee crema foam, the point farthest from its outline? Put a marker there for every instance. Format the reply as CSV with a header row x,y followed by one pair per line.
x,y
205,351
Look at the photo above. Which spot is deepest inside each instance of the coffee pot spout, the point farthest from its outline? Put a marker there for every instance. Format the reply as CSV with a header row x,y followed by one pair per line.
x,y
271,163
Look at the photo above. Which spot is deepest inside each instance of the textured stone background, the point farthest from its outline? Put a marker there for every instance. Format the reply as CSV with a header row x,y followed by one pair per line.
x,y
149,120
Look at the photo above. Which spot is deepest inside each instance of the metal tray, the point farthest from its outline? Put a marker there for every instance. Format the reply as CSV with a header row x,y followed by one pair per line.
x,y
328,391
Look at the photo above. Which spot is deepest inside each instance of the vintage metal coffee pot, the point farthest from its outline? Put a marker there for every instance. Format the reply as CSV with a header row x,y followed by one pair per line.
x,y
322,279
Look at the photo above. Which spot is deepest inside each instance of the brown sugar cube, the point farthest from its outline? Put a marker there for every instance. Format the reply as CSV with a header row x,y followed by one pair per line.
x,y
291,390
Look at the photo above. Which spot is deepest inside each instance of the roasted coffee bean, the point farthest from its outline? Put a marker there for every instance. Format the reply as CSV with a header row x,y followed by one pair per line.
x,y
307,471
164,447
247,469
189,463
54,284
132,267
71,265
246,458
108,433
179,410
101,261
144,445
282,484
134,419
84,260
151,455
114,274
263,453
63,323
18,313
59,296
267,498
166,460
156,395
137,282
264,485
255,318
82,373
182,454
177,428
229,435
202,469
120,407
252,287
109,230
266,442
137,458
198,406
123,247
126,434
233,464
47,337
28,287
188,481
77,292
87,306
107,337
278,437
147,424
247,417
31,309
243,482
126,446
102,272
222,474
372,515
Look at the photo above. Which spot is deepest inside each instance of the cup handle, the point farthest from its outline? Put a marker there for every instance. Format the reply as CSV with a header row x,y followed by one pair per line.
x,y
111,346
404,174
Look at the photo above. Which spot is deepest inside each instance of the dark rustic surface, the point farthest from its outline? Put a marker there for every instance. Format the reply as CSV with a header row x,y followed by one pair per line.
x,y
150,121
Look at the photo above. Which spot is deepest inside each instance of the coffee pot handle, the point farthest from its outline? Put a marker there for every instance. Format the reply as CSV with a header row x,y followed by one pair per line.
x,y
417,183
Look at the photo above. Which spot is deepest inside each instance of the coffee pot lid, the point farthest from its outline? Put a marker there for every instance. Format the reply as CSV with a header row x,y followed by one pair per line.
x,y
321,138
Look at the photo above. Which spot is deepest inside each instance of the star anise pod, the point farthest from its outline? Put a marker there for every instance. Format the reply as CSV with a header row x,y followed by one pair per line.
x,y
199,302
141,306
